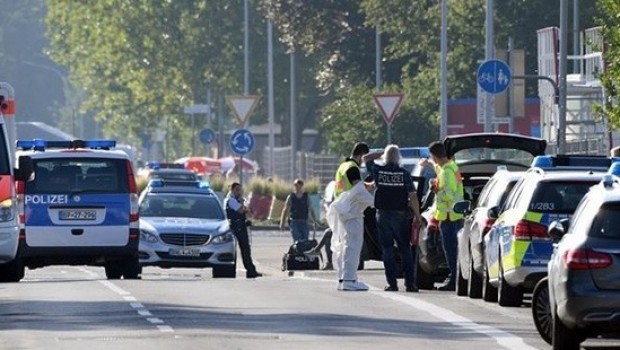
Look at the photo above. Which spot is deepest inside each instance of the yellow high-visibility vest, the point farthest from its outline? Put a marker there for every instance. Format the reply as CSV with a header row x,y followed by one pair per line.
x,y
342,181
450,191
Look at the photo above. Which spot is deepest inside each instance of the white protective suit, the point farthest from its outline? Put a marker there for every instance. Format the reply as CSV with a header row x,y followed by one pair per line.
x,y
345,217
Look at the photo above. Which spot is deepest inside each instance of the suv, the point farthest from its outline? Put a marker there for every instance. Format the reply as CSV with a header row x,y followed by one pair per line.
x,y
580,298
517,249
476,225
477,156
80,209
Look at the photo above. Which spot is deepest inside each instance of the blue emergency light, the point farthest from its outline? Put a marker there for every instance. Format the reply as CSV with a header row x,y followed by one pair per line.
x,y
576,161
614,169
159,183
41,145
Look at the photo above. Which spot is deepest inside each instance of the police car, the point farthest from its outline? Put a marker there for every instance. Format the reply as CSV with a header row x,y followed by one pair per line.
x,y
517,248
183,224
81,208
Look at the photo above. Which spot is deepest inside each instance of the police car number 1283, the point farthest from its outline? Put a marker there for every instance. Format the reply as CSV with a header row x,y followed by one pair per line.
x,y
78,214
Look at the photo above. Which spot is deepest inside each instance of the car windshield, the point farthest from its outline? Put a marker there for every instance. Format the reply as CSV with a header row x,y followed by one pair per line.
x,y
181,205
488,154
607,221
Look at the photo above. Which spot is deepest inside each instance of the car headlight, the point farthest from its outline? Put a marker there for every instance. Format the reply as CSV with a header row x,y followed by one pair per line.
x,y
147,236
225,238
7,210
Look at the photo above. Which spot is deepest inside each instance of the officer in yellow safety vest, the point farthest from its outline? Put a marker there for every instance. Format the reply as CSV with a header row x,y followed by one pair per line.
x,y
448,188
349,171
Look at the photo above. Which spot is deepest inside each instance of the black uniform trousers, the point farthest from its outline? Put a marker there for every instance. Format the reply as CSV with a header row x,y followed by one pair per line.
x,y
240,230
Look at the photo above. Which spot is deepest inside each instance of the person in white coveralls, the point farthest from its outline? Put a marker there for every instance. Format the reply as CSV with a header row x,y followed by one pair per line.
x,y
345,218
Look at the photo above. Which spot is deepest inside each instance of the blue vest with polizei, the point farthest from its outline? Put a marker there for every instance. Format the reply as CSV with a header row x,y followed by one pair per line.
x,y
233,215
391,193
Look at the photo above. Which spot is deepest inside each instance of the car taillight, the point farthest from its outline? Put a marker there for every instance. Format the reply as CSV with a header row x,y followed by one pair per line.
x,y
134,215
583,259
21,210
528,231
488,223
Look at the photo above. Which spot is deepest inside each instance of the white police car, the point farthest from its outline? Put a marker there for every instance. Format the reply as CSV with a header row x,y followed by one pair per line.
x,y
81,208
184,225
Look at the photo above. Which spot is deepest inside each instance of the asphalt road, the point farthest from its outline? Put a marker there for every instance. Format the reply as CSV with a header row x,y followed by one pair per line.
x,y
75,307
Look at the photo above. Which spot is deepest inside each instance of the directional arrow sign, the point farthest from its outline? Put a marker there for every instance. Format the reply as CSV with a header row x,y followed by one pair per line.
x,y
388,105
242,141
242,106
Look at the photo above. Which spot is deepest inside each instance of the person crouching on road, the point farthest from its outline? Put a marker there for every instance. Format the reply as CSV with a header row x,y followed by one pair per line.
x,y
396,203
236,214
345,218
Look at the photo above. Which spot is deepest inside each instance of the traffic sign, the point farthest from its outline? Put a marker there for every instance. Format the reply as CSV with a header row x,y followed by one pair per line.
x,y
242,141
388,105
196,109
206,136
494,76
242,106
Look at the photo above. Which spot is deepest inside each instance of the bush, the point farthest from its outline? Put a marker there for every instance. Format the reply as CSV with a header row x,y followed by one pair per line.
x,y
312,186
260,186
217,184
281,189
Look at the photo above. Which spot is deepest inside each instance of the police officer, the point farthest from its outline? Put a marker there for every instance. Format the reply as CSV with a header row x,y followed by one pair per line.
x,y
236,214
396,202
448,188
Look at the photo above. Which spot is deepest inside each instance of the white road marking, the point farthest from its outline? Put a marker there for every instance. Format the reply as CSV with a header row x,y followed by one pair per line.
x,y
142,311
502,338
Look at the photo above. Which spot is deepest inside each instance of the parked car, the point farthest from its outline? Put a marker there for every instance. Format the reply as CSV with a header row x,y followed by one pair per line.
x,y
184,225
477,223
580,298
517,248
478,156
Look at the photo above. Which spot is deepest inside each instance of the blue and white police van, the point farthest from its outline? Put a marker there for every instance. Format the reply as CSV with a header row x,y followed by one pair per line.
x,y
81,208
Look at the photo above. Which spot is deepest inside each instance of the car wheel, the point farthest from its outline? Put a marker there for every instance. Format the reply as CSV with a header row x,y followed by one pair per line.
x,y
489,292
12,271
508,295
424,279
564,338
131,268
461,283
224,271
541,310
113,271
474,283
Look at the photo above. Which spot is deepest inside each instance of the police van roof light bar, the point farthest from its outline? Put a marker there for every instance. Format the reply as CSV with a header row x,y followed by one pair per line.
x,y
41,145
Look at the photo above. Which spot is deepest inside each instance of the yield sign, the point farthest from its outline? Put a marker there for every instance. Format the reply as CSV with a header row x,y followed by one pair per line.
x,y
388,105
242,106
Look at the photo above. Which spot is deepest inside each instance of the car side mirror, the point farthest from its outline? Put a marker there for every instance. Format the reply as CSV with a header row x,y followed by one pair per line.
x,y
462,207
25,170
493,212
557,230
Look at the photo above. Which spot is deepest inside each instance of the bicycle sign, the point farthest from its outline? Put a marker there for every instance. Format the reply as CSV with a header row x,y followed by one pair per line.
x,y
494,76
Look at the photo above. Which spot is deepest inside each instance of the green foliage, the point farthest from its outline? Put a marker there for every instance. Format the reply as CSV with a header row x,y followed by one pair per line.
x,y
312,186
217,183
610,20
259,185
281,189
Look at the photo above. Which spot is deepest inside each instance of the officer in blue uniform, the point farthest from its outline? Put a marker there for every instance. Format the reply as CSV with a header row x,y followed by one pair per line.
x,y
235,212
396,203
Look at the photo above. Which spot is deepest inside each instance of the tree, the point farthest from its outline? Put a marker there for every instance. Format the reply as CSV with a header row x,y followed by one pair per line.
x,y
610,78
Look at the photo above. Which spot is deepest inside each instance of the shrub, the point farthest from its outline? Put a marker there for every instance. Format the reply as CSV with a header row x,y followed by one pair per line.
x,y
217,184
281,189
312,186
259,186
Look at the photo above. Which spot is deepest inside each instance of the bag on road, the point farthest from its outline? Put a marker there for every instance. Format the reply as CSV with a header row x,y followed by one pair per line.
x,y
297,259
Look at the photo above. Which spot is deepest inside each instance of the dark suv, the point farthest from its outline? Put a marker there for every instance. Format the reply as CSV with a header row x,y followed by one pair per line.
x,y
478,156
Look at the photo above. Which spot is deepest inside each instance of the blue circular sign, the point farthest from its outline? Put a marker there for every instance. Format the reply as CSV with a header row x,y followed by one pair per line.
x,y
494,76
242,141
206,136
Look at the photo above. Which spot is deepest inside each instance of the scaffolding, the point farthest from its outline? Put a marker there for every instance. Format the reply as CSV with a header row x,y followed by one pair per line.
x,y
583,92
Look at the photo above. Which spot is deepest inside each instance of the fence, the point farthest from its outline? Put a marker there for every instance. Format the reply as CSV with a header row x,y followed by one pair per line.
x,y
309,165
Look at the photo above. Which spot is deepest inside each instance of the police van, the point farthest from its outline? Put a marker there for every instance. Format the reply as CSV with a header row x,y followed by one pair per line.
x,y
81,208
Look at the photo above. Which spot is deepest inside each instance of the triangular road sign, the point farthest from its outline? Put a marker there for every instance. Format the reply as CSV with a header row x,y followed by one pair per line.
x,y
242,106
388,105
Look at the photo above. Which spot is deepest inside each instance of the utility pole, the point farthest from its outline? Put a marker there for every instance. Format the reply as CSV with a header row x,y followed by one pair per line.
x,y
246,49
489,55
443,68
561,141
293,112
270,98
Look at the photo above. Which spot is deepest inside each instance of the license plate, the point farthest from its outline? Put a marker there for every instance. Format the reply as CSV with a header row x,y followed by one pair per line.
x,y
185,252
78,214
